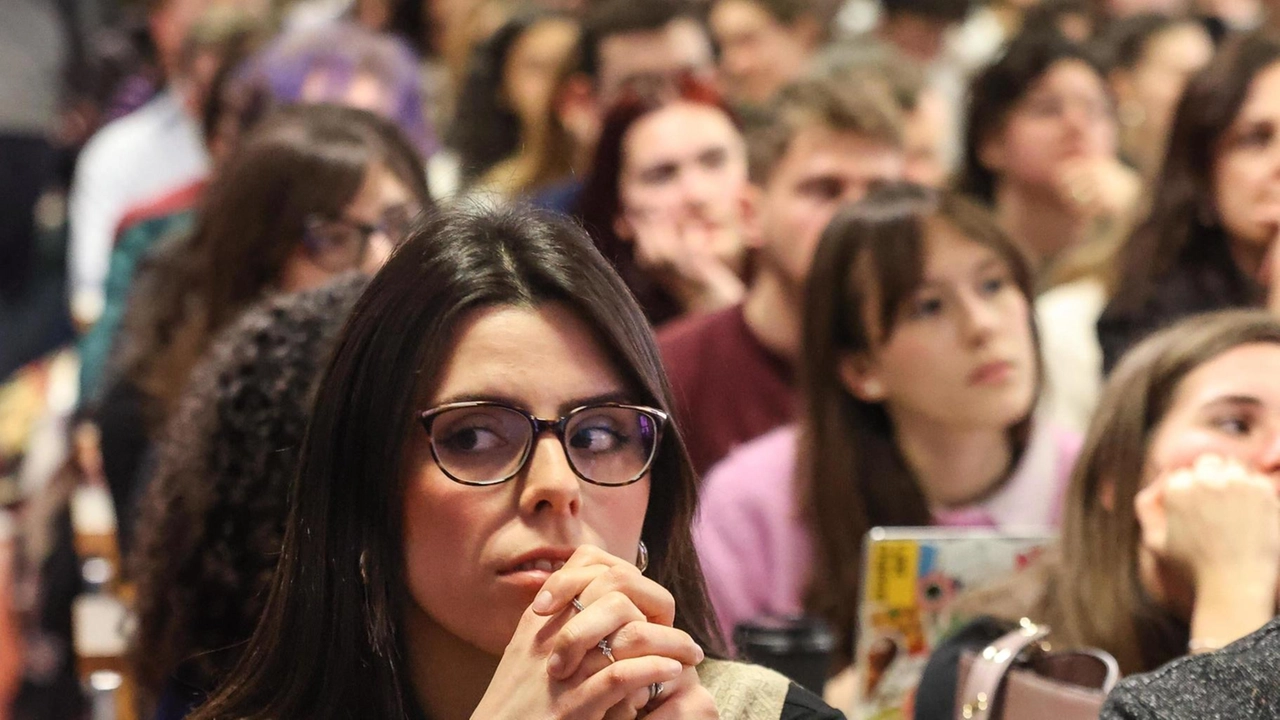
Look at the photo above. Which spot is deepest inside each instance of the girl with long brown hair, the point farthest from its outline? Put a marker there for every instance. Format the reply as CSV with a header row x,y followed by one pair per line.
x,y
920,374
1171,530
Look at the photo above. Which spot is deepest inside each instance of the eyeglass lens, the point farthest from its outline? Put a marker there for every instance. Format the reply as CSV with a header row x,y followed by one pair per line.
x,y
606,445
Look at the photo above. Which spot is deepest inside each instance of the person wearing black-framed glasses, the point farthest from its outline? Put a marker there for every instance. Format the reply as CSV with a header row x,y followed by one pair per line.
x,y
492,514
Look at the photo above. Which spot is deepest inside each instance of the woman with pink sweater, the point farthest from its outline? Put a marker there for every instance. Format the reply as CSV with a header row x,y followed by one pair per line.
x,y
920,373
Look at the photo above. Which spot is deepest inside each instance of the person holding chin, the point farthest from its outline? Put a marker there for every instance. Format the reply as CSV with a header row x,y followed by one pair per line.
x,y
1171,532
1040,149
492,515
667,199
919,380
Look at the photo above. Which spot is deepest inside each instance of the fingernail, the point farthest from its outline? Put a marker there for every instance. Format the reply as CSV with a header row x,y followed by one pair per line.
x,y
702,655
672,668
542,603
555,664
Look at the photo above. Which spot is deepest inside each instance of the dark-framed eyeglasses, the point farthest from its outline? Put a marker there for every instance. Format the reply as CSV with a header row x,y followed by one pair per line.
x,y
486,443
340,243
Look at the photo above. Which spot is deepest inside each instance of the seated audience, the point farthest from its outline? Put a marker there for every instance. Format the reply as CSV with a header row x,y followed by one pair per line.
x,y
929,125
625,47
1151,58
825,143
764,44
666,200
919,372
1148,83
918,28
506,137
316,191
1171,530
1040,149
452,553
212,522
226,112
345,65
1213,220
134,159
349,65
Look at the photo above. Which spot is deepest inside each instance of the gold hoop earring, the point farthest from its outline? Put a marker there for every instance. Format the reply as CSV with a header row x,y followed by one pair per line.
x,y
642,559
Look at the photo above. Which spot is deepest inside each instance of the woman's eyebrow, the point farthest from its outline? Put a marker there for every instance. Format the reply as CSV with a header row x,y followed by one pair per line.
x,y
1232,400
479,397
615,396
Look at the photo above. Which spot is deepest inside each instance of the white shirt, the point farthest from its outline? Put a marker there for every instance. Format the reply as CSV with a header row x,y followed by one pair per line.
x,y
1068,318
137,158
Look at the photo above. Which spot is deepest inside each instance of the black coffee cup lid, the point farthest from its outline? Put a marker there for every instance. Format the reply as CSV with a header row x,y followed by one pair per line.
x,y
788,633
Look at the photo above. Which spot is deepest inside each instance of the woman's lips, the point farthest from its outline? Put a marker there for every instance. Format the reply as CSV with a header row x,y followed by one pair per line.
x,y
992,373
540,565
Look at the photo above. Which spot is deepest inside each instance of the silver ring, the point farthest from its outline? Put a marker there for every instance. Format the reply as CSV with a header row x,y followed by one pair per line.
x,y
577,605
654,691
605,650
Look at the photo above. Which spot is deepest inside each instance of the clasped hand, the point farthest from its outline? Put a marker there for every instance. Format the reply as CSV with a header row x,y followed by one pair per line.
x,y
553,668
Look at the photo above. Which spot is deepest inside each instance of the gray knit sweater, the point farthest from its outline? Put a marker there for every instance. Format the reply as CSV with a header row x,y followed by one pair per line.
x,y
1239,681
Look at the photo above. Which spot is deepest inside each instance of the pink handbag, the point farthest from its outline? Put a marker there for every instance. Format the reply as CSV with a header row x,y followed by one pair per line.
x,y
1018,678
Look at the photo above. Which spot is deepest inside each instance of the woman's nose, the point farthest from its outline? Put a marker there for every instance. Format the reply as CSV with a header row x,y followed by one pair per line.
x,y
549,483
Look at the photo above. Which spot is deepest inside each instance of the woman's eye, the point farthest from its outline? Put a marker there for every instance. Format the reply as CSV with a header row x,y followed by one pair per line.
x,y
473,439
1233,425
597,439
714,159
993,285
1259,135
660,174
1045,106
926,307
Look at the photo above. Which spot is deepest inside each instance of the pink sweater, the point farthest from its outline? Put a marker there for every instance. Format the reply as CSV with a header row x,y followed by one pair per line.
x,y
756,553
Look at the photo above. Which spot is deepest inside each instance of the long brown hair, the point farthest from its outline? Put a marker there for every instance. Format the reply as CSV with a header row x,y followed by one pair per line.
x,y
1094,596
331,642
1183,233
851,475
305,160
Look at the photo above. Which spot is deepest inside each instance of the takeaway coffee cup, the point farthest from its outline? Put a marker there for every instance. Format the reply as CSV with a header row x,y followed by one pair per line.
x,y
798,647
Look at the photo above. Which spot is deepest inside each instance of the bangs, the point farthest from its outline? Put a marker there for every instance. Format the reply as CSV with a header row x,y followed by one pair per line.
x,y
891,269
889,273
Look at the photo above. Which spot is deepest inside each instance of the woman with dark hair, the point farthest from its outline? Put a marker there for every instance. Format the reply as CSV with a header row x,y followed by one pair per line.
x,y
1216,206
492,512
1150,59
211,525
505,132
920,373
1171,529
666,200
1040,149
317,190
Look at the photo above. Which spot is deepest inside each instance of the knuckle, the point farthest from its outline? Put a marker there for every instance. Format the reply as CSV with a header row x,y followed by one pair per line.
x,y
617,601
570,636
631,636
621,575
615,678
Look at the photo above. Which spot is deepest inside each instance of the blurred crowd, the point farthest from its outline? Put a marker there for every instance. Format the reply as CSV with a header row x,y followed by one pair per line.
x,y
997,264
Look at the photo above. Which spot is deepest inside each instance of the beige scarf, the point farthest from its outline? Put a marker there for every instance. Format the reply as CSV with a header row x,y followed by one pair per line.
x,y
744,692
